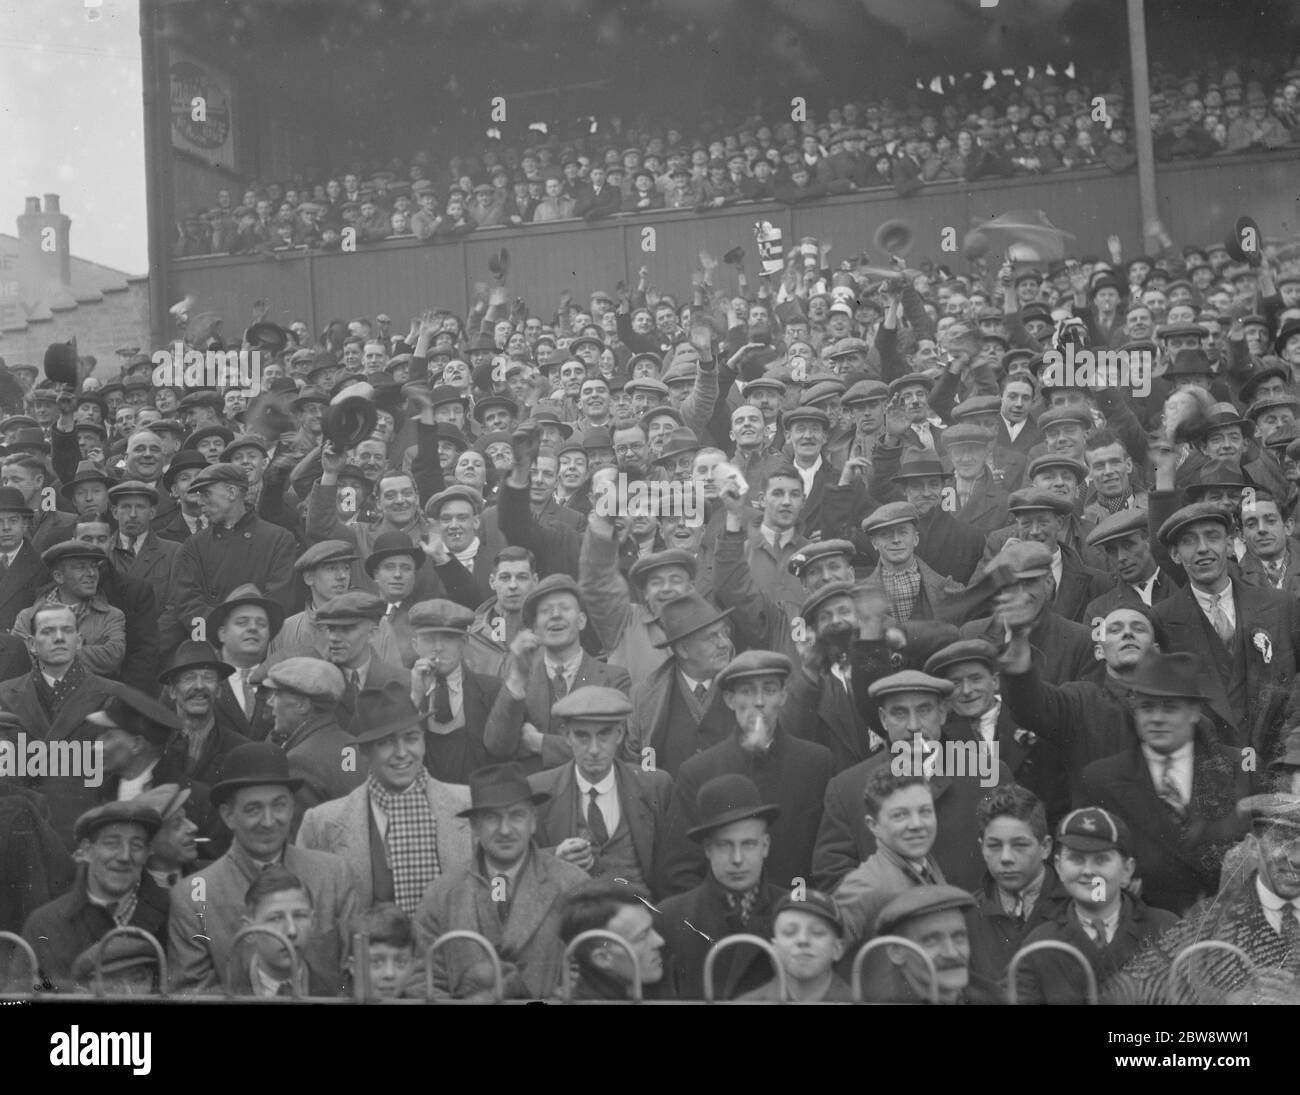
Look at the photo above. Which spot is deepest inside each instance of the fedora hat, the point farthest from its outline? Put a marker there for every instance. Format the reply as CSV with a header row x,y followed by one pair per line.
x,y
87,472
726,799
247,594
253,764
349,421
194,654
686,615
1174,675
382,712
499,786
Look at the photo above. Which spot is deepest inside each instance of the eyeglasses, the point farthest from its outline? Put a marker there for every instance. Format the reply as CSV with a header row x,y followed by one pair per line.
x,y
624,450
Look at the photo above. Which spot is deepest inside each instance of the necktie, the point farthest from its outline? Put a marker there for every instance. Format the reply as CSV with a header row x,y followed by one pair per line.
x,y
596,820
1291,931
559,686
1098,932
441,699
285,989
700,692
354,680
1219,618
245,692
1018,910
1169,791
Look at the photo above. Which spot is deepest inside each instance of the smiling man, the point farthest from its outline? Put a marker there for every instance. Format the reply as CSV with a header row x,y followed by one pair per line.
x,y
1271,559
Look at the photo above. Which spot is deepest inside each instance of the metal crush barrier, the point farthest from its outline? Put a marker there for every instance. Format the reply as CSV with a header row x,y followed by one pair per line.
x,y
1179,962
1051,945
97,984
855,976
295,963
734,940
566,976
498,977
32,961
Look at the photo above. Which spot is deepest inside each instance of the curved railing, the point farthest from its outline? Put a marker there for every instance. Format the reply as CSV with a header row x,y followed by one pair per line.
x,y
1051,945
855,977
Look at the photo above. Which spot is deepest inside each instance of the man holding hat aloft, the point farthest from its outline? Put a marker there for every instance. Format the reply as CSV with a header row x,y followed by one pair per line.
x,y
605,815
1246,636
236,548
511,892
788,772
254,797
77,568
110,890
401,828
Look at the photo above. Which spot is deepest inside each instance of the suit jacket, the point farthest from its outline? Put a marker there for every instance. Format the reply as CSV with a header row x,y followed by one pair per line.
x,y
200,933
1124,595
1063,649
1261,614
936,591
844,841
986,507
869,887
811,516
1080,584
171,526
502,735
342,827
1253,573
643,797
256,727
152,564
318,754
822,711
19,584
50,527
1178,861
693,921
378,674
527,936
1025,440
793,775
950,546
136,600
67,795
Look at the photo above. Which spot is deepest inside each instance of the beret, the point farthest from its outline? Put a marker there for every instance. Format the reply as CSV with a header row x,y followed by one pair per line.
x,y
819,549
890,514
89,823
218,473
352,606
592,703
921,901
967,650
909,680
865,391
754,663
327,551
133,486
1024,558
814,903
1093,829
308,677
820,596
1064,414
673,557
465,494
1114,526
1037,498
1197,511
440,614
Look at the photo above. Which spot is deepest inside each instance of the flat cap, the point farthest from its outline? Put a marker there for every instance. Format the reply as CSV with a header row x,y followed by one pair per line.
x,y
865,391
814,601
1197,511
133,486
203,399
592,703
967,433
1056,415
552,583
440,614
1031,498
1058,460
1024,558
115,955
72,549
352,606
967,650
921,901
845,346
243,441
910,381
806,413
754,663
673,557
821,392
814,903
327,551
802,559
766,381
1093,829
459,492
218,473
975,405
909,680
89,823
307,677
1117,525
890,514
1267,403
1271,809
647,384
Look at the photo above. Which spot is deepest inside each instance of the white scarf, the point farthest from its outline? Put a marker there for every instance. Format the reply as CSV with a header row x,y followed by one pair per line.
x,y
467,556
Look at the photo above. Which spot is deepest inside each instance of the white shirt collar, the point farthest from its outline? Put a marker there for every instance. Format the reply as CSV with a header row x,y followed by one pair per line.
x,y
128,789
604,787
1111,922
567,668
1146,590
691,682
988,722
776,540
1058,566
1274,907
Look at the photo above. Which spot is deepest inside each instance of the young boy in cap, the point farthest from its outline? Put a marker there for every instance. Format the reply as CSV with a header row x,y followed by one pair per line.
x,y
1103,921
808,935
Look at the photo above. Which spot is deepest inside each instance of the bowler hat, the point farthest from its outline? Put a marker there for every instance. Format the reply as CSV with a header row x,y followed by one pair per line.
x,y
388,544
349,421
499,786
253,764
686,615
179,463
194,654
246,594
726,799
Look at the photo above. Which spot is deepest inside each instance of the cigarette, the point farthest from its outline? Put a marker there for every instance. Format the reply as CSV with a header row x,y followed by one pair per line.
x,y
202,840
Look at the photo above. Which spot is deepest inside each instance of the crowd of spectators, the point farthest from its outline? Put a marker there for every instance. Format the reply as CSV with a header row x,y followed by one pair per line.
x,y
1039,125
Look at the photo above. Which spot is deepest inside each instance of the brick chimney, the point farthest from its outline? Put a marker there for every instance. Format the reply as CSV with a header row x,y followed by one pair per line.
x,y
44,253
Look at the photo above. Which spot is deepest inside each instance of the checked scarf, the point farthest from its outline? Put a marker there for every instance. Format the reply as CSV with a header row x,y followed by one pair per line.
x,y
904,590
411,839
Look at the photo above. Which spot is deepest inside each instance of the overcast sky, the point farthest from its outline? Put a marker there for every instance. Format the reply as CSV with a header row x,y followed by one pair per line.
x,y
71,122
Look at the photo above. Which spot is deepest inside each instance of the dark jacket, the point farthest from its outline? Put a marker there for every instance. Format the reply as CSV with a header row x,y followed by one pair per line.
x,y
35,867
19,583
996,935
1063,649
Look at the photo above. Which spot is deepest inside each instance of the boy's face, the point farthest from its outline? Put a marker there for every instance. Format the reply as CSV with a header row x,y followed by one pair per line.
x,y
1012,853
1094,879
905,822
289,913
389,968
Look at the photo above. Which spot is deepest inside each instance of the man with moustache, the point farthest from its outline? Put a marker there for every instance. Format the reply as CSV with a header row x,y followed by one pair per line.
x,y
254,798
511,892
189,685
401,828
